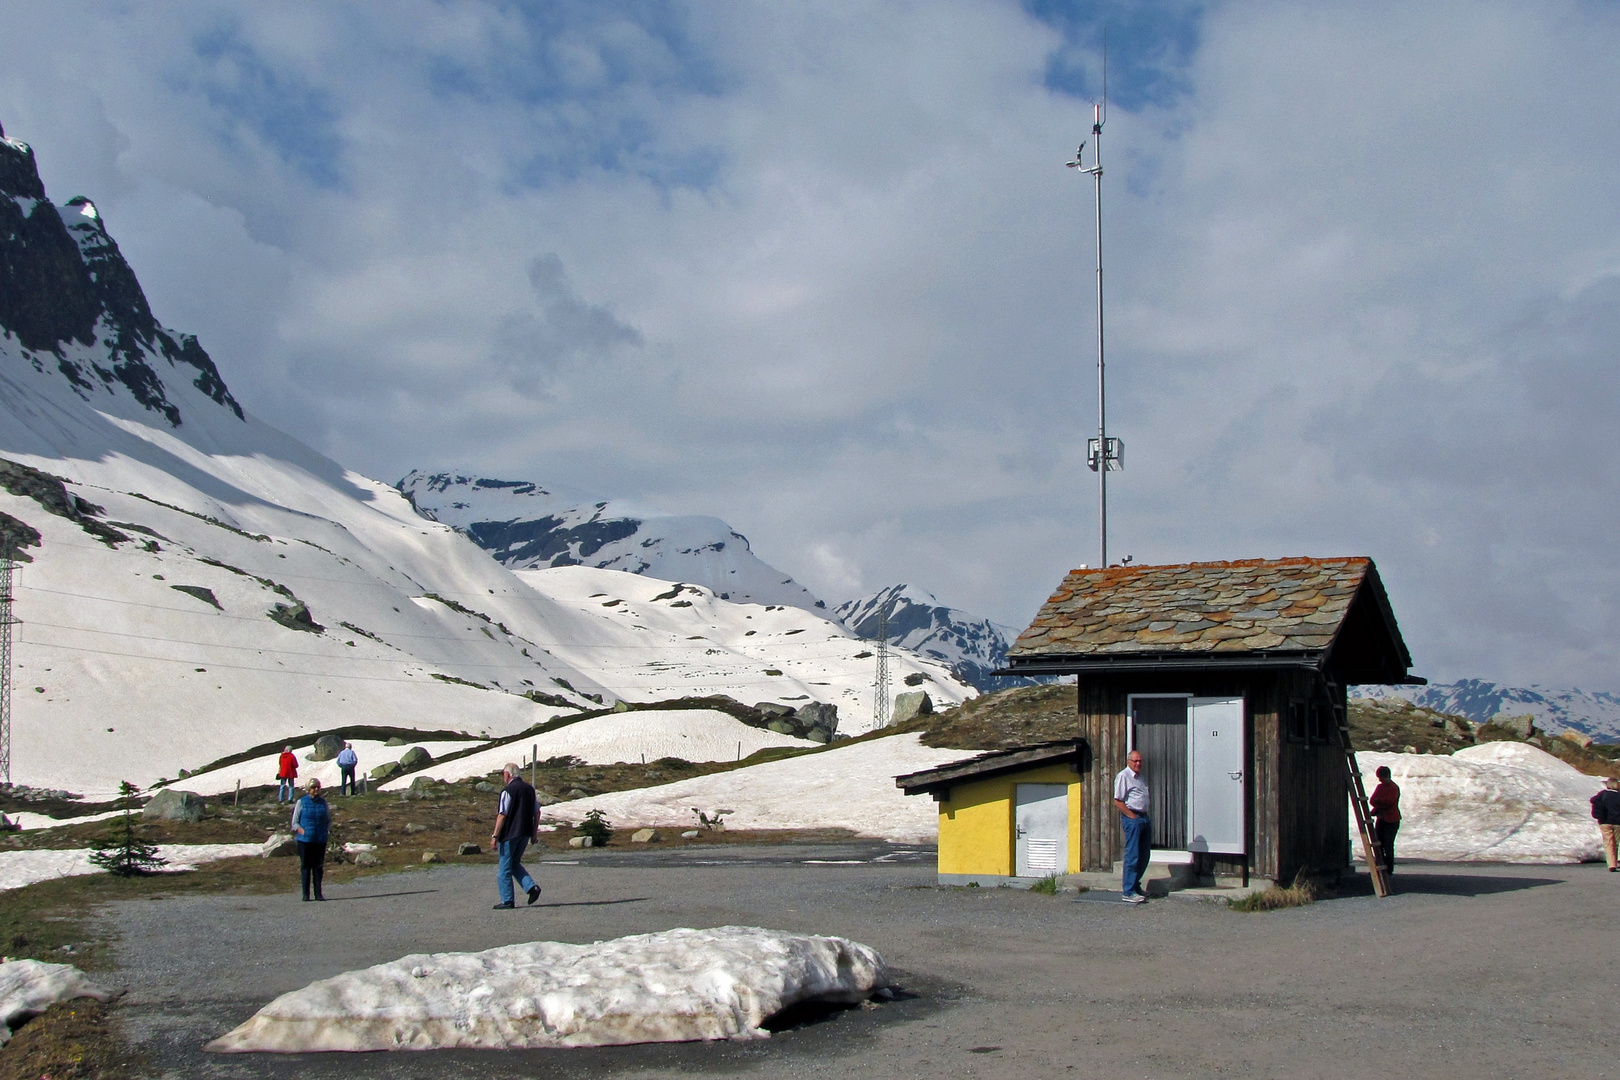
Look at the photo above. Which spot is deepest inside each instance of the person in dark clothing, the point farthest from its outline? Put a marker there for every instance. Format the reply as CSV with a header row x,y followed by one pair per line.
x,y
1386,811
516,823
1606,810
311,825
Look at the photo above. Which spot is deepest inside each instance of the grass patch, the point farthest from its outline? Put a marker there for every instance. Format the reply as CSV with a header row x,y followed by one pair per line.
x,y
73,1040
1303,891
1047,886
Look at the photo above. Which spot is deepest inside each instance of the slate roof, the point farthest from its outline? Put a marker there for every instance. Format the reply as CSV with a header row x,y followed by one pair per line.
x,y
1252,606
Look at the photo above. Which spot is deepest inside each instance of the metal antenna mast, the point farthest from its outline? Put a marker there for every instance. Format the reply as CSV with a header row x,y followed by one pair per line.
x,y
6,622
1103,455
880,690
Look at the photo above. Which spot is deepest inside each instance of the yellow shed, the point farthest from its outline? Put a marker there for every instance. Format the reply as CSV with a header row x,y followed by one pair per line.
x,y
1009,817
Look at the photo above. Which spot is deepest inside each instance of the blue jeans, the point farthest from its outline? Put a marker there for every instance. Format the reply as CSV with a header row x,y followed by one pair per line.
x,y
346,784
511,852
1138,837
284,792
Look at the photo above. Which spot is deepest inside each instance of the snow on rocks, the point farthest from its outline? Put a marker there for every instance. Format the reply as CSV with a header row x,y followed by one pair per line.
x,y
29,987
850,786
20,868
1496,802
635,736
674,986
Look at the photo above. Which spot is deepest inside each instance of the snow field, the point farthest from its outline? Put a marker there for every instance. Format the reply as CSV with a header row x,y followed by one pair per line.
x,y
29,987
650,640
629,737
19,868
675,986
1496,802
847,787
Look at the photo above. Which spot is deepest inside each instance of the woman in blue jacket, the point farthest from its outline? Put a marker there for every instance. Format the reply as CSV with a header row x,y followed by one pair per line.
x,y
311,824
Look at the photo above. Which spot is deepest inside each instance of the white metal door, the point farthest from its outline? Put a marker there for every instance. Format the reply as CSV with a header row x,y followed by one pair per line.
x,y
1215,811
1041,830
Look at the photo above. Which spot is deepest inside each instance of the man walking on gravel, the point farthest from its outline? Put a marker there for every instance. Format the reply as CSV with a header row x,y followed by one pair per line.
x,y
516,823
1131,797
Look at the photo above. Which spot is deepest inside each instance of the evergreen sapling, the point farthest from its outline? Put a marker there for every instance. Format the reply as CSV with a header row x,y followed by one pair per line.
x,y
122,852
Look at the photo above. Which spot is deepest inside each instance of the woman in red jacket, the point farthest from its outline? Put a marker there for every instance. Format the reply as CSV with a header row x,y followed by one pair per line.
x,y
286,775
1386,811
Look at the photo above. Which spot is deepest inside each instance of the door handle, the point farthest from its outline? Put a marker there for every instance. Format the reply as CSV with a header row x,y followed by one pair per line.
x,y
1236,775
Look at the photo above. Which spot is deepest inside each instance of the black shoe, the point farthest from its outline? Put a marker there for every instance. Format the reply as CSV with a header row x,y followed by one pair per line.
x,y
534,894
306,899
318,896
505,906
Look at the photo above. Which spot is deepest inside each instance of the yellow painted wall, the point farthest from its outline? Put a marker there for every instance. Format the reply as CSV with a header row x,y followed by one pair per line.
x,y
976,823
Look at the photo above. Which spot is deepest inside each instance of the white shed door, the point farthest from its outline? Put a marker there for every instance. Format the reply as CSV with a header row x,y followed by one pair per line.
x,y
1215,811
1041,830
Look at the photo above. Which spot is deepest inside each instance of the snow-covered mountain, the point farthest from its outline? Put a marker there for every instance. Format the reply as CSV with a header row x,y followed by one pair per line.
x,y
526,527
1596,713
195,583
973,647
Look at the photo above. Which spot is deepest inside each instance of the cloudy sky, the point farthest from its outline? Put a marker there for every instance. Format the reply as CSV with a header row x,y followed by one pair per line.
x,y
818,269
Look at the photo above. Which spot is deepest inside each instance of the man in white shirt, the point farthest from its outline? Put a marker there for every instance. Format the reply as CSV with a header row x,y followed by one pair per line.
x,y
1131,796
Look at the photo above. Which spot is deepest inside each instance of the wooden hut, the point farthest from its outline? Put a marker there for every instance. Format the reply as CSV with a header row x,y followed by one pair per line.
x,y
1231,679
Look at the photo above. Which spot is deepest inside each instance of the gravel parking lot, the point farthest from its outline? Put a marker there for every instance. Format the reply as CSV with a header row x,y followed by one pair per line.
x,y
1477,971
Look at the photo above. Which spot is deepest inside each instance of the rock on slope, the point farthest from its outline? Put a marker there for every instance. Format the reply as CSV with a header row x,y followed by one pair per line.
x,y
526,527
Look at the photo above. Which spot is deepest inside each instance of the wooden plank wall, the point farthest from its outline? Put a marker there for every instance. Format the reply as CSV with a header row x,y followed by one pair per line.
x,y
1102,717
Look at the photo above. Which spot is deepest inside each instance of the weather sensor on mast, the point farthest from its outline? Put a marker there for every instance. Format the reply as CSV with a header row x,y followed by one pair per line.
x,y
1103,455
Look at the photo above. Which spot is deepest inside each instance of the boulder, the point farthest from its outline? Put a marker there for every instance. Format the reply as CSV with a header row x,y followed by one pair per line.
x,y
413,828
541,798
415,758
772,708
818,721
172,805
782,726
582,841
690,834
1579,738
326,748
644,836
279,846
469,849
367,858
386,771
1522,726
394,740
432,856
911,705
486,786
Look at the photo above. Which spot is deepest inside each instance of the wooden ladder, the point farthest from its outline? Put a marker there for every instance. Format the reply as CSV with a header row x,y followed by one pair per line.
x,y
1358,799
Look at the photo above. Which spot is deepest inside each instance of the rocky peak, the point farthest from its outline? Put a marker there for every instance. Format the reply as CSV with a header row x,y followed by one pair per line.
x,y
66,290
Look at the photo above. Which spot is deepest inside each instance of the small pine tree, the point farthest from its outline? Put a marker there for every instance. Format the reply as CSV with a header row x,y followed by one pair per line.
x,y
596,827
122,852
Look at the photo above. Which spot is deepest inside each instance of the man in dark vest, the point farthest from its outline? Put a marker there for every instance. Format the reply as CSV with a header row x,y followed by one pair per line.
x,y
516,823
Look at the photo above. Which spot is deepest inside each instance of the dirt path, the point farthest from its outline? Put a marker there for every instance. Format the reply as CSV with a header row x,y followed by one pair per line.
x,y
1472,971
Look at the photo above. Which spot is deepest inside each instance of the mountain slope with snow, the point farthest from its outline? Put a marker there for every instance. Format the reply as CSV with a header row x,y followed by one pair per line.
x,y
973,647
527,527
194,583
1596,713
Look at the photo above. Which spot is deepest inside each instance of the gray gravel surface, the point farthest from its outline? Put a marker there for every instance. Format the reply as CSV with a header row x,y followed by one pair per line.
x,y
1478,971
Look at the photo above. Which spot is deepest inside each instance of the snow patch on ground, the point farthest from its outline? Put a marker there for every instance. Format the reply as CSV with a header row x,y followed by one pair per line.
x,y
674,986
847,787
645,734
29,987
19,868
27,819
1496,802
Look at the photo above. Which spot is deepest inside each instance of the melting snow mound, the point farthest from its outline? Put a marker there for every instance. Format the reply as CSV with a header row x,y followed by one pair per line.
x,y
29,987
1496,802
673,986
